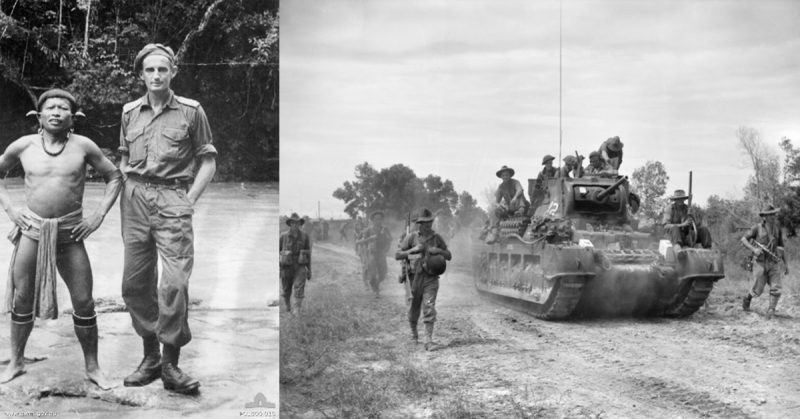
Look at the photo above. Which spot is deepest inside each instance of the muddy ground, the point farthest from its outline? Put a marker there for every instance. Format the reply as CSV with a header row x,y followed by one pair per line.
x,y
496,362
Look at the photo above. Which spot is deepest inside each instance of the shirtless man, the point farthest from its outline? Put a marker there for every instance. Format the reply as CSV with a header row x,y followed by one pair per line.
x,y
53,227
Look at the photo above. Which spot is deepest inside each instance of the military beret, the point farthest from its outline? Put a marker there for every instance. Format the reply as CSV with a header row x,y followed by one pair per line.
x,y
63,94
149,49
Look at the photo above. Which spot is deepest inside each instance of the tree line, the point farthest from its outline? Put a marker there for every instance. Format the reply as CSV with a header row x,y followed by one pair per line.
x,y
398,192
227,58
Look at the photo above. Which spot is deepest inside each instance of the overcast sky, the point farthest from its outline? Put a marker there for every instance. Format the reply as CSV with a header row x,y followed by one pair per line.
x,y
460,88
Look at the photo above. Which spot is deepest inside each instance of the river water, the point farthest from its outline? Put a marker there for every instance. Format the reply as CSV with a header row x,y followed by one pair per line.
x,y
236,246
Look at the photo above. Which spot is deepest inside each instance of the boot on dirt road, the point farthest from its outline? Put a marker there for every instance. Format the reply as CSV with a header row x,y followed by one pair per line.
x,y
773,302
429,345
414,333
746,302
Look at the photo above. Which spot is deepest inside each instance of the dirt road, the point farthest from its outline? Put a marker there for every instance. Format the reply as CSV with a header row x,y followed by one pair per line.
x,y
720,362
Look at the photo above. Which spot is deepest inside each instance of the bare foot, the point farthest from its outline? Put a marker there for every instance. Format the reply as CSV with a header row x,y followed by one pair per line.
x,y
98,378
11,372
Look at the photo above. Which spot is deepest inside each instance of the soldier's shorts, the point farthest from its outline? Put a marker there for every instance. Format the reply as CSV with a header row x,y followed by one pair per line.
x,y
423,296
763,275
294,278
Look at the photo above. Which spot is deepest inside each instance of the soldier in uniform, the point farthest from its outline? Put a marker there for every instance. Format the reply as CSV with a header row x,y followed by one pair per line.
x,y
767,246
405,271
427,253
573,165
597,166
48,234
611,152
295,263
376,242
361,249
168,160
548,172
676,221
681,227
510,198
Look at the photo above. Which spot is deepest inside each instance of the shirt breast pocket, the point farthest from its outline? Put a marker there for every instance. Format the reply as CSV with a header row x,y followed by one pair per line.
x,y
174,144
136,145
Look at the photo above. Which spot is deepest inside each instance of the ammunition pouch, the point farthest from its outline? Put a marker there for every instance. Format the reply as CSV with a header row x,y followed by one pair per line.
x,y
304,257
285,258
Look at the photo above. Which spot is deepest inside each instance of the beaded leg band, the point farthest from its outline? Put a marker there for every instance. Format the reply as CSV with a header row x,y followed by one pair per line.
x,y
84,322
21,318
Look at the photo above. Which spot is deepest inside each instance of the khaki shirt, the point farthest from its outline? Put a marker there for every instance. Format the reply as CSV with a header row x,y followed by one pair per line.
x,y
508,190
768,236
295,243
165,145
675,213
414,239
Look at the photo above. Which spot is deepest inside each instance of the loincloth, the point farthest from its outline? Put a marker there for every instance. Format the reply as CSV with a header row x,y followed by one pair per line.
x,y
49,233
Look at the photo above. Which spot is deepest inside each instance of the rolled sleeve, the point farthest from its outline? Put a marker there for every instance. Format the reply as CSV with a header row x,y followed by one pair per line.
x,y
202,138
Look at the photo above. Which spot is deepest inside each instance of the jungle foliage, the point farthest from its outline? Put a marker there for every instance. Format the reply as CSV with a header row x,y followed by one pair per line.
x,y
227,59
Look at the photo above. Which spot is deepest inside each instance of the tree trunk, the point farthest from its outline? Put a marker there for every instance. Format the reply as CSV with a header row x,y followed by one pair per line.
x,y
200,28
86,31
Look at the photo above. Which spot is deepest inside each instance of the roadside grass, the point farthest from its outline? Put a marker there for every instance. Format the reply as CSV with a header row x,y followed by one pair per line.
x,y
349,356
343,357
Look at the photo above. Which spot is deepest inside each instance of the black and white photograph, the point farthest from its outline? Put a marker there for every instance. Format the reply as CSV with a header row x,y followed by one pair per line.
x,y
461,236
140,164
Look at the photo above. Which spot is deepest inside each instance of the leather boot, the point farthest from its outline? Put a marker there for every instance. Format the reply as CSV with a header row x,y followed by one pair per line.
x,y
429,345
746,302
288,303
298,306
773,302
173,378
150,368
414,334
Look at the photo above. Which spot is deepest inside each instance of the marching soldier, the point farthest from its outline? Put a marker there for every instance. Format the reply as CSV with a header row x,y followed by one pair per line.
x,y
765,240
405,271
427,252
375,242
295,263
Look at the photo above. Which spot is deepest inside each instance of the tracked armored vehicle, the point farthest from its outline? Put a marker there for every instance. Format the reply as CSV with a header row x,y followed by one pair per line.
x,y
578,253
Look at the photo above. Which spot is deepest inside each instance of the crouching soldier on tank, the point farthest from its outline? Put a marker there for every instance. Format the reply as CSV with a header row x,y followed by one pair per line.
x,y
765,240
611,151
295,263
427,252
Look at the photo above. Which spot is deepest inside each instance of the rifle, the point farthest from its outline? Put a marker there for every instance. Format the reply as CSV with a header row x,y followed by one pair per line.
x,y
774,257
405,277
